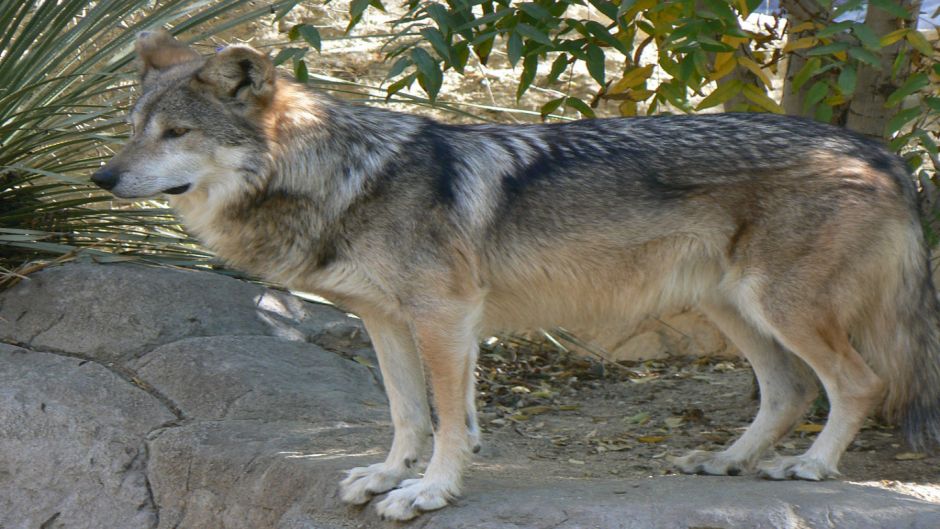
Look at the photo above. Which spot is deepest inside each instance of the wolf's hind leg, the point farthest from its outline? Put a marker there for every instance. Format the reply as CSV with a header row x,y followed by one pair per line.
x,y
403,375
447,340
851,385
786,390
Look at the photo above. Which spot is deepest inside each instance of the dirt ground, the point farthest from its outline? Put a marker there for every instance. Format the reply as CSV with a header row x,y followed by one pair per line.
x,y
599,419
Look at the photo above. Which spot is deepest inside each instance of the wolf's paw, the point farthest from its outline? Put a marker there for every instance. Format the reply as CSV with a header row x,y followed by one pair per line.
x,y
362,483
475,443
414,497
797,467
712,463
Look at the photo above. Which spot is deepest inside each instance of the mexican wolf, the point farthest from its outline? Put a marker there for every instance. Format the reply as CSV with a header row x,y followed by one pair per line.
x,y
801,241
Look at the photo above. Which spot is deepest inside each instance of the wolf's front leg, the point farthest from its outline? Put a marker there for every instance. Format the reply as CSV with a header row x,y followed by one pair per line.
x,y
448,345
403,375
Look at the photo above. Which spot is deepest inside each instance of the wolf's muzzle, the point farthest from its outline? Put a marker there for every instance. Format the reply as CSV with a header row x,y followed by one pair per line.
x,y
106,178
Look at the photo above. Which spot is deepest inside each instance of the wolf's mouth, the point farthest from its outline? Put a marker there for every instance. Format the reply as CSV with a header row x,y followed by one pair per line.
x,y
178,190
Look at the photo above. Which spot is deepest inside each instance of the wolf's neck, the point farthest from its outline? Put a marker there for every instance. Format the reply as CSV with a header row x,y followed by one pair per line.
x,y
321,157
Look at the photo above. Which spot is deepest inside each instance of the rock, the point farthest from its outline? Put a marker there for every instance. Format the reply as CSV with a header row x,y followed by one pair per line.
x,y
257,474
262,378
72,444
682,502
118,312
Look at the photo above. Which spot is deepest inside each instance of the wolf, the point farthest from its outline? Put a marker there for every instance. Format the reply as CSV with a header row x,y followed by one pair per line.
x,y
800,241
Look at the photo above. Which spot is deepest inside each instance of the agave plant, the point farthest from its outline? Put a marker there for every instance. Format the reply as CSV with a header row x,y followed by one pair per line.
x,y
65,82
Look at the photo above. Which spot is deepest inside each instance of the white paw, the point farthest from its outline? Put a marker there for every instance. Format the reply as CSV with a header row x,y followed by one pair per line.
x,y
414,497
797,467
362,483
711,463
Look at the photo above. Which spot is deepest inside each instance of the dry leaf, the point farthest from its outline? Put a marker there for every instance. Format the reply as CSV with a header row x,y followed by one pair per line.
x,y
809,427
673,422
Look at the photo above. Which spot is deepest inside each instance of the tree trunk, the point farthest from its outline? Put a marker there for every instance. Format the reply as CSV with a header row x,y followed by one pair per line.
x,y
867,113
797,12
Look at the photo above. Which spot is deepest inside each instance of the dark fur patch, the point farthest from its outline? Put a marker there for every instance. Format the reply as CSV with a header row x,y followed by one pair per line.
x,y
442,159
540,168
245,65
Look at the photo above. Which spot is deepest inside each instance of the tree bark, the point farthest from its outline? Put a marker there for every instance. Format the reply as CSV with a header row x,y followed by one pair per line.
x,y
797,12
867,113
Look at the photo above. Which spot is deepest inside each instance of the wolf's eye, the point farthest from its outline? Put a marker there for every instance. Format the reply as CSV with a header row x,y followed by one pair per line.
x,y
175,132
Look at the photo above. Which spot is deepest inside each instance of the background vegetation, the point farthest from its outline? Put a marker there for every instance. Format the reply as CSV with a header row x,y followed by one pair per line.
x,y
65,69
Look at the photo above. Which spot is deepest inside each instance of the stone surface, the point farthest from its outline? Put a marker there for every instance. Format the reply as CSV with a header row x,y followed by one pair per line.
x,y
72,451
261,378
241,407
117,312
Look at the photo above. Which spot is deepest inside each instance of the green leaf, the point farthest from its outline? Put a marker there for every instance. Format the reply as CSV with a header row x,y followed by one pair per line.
x,y
595,63
815,94
433,36
892,8
514,46
823,113
559,65
580,106
398,67
920,43
602,34
828,31
866,36
356,9
535,11
483,47
551,106
440,16
287,54
461,54
933,103
300,71
900,119
808,70
529,69
865,56
399,85
607,8
721,94
723,10
913,84
828,49
430,77
532,33
309,34
847,79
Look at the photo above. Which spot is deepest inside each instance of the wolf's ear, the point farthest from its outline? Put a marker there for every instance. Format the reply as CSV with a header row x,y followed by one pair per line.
x,y
158,50
239,73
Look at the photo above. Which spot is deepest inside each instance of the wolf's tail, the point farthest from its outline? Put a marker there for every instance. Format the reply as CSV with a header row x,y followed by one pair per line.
x,y
902,339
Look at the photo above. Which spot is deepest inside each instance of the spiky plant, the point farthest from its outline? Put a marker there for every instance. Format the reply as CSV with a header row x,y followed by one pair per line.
x,y
65,83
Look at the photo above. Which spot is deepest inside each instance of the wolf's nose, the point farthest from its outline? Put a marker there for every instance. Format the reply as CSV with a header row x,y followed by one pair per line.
x,y
105,178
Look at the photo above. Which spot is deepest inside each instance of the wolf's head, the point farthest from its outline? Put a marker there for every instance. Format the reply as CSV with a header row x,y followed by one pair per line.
x,y
198,124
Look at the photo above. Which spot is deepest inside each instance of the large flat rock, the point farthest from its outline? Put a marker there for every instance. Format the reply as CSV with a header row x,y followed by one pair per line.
x,y
72,448
262,378
114,313
241,474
